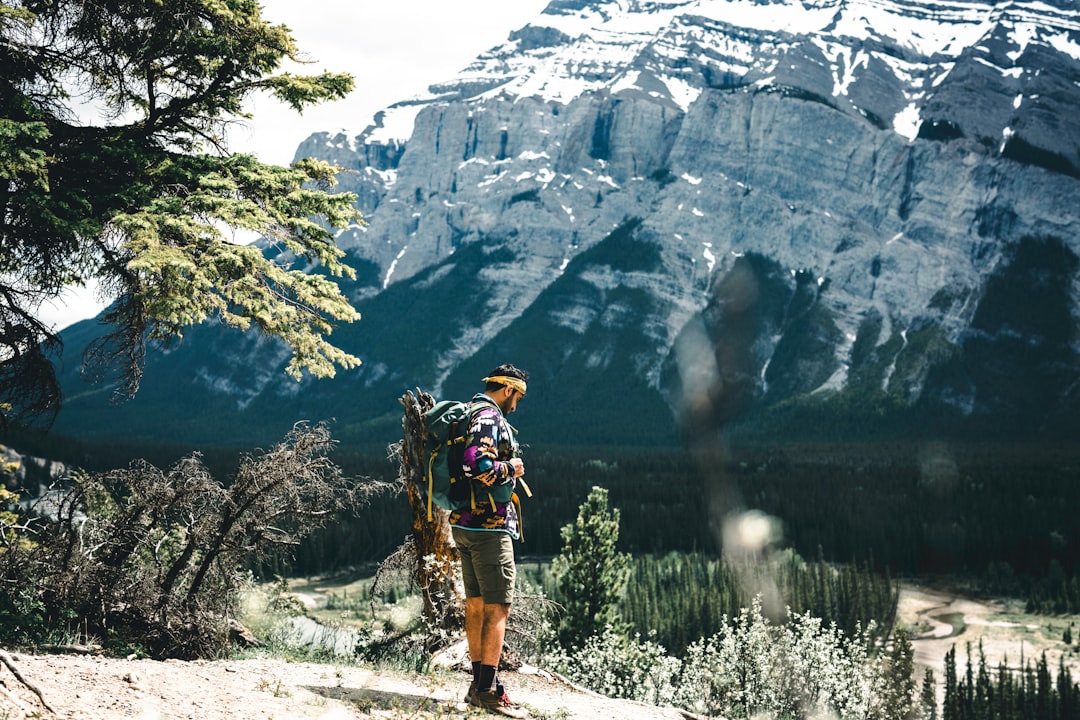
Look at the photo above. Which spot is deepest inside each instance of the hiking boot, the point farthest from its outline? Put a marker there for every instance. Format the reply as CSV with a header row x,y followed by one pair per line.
x,y
491,701
500,690
470,694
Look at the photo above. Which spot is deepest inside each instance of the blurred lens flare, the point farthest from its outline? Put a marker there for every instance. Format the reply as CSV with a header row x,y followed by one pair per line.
x,y
749,537
750,533
698,372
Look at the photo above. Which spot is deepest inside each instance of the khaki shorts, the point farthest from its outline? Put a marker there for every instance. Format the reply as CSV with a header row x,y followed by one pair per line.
x,y
487,564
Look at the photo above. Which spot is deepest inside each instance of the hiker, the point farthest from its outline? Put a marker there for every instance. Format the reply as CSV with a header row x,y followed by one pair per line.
x,y
484,531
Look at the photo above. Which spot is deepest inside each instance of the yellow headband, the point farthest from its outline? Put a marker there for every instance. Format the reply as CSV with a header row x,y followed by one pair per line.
x,y
512,382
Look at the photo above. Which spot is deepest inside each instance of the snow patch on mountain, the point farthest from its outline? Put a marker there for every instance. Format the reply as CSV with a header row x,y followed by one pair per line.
x,y
572,50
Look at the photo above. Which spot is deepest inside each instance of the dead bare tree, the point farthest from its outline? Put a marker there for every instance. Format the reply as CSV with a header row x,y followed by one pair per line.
x,y
437,563
159,556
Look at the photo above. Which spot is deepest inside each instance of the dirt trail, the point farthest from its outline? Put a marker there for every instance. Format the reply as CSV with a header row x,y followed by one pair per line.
x,y
83,687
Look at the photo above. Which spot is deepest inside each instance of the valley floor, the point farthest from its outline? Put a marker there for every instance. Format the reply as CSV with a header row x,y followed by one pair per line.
x,y
939,620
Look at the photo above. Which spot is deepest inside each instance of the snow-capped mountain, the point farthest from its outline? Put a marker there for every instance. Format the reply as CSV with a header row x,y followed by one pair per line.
x,y
737,212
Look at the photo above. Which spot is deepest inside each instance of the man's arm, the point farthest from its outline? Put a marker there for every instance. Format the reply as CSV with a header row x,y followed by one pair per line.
x,y
482,452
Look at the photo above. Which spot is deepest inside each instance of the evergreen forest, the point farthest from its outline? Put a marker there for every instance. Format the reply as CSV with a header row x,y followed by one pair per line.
x,y
996,518
679,598
999,520
1032,690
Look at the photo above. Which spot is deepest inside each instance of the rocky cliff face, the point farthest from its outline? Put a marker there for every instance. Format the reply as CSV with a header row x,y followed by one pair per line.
x,y
754,215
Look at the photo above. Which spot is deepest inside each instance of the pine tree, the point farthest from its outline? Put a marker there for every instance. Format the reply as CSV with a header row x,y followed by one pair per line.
x,y
950,706
1027,692
1066,692
897,694
928,697
968,687
591,574
1044,693
139,203
1006,692
983,703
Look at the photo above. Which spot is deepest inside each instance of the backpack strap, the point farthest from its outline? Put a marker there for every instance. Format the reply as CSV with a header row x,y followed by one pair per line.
x,y
451,440
431,480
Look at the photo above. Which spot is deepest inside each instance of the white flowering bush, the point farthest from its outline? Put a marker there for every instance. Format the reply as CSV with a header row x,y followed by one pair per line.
x,y
751,669
798,670
740,671
833,672
620,666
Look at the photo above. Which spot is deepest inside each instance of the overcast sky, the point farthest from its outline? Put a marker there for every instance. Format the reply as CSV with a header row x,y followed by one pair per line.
x,y
393,48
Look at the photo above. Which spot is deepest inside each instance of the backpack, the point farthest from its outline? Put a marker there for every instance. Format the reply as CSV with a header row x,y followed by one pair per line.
x,y
445,426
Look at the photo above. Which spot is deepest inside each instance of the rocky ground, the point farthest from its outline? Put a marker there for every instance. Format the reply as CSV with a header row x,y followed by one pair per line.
x,y
84,687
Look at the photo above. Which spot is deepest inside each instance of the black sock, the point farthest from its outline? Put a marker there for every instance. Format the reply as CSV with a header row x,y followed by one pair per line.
x,y
476,671
487,678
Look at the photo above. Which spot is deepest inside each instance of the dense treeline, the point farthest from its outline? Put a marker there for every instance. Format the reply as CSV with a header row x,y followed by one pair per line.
x,y
990,512
1000,515
1030,692
1054,594
685,597
924,509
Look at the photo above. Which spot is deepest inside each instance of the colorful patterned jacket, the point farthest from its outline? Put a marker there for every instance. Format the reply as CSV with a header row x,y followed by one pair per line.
x,y
490,443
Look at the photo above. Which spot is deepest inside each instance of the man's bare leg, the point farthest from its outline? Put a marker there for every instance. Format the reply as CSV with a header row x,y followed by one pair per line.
x,y
495,617
474,627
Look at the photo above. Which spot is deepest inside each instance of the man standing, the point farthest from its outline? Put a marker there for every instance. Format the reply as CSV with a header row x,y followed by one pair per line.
x,y
484,531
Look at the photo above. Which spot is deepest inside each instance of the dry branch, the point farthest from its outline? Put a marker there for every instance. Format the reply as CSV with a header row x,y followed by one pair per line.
x,y
155,555
9,662
71,649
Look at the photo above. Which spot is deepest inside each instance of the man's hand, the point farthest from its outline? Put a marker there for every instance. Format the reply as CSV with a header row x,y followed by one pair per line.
x,y
518,465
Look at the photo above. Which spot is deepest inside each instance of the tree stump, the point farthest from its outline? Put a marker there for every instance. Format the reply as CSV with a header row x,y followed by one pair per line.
x,y
437,566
